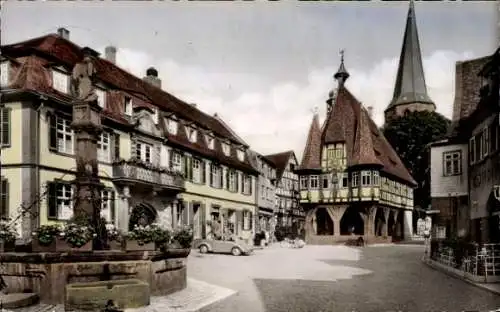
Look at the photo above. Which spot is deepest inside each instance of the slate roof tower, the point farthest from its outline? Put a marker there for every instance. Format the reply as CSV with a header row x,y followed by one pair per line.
x,y
410,90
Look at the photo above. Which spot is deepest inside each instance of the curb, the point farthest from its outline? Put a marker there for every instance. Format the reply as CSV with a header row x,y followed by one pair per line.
x,y
449,273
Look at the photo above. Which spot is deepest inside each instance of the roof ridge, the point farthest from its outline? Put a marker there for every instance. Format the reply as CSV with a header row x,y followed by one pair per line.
x,y
144,85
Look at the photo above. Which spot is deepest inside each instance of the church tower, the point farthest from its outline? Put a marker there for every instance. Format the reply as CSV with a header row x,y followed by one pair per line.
x,y
410,91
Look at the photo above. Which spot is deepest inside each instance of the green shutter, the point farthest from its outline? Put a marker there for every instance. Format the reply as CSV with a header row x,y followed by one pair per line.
x,y
190,168
51,200
227,179
237,177
4,199
211,178
203,168
250,217
170,160
184,166
117,147
5,126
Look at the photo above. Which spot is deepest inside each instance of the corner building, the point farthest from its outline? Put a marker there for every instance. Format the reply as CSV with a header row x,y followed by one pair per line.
x,y
352,182
160,159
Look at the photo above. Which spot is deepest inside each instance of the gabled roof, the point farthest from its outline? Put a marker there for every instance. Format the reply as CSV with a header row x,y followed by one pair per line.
x,y
410,81
311,159
30,65
349,123
59,50
280,161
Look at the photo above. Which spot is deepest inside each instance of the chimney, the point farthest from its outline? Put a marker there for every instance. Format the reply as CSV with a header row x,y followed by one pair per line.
x,y
152,77
110,54
63,33
194,105
370,111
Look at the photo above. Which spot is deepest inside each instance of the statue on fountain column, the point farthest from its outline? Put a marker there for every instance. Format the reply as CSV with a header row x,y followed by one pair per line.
x,y
81,80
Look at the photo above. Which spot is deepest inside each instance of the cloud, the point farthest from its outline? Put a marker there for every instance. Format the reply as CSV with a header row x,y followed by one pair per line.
x,y
276,117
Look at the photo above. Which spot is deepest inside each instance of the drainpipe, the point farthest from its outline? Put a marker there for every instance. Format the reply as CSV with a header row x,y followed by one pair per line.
x,y
37,156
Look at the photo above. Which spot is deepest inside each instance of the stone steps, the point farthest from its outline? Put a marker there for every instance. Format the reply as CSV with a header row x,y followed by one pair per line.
x,y
18,300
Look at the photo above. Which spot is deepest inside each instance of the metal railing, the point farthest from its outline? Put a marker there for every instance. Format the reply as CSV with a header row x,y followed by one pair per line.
x,y
140,173
478,260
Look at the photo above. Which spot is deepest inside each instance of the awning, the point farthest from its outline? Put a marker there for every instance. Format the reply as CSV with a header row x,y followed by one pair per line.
x,y
265,212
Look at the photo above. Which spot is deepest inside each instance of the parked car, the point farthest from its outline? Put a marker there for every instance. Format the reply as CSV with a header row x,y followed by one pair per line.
x,y
236,247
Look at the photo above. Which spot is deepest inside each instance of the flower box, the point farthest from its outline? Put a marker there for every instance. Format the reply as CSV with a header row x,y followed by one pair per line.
x,y
59,245
175,251
7,246
115,245
134,245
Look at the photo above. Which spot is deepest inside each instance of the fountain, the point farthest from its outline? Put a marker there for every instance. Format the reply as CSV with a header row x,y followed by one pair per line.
x,y
96,278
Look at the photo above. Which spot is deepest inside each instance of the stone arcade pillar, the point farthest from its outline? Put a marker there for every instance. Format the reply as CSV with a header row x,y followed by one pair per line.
x,y
408,224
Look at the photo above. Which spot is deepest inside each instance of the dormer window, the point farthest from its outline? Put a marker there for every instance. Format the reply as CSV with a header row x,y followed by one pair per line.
x,y
101,97
241,155
60,81
4,73
210,141
226,148
172,126
127,106
191,133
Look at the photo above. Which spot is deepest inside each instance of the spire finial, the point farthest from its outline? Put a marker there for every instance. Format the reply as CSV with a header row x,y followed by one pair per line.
x,y
342,73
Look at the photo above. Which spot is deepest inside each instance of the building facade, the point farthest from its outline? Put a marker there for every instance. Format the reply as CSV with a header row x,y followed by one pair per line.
x,y
351,180
410,90
266,192
160,159
289,213
475,133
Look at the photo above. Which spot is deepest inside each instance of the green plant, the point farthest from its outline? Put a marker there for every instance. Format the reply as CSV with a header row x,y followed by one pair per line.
x,y
112,233
76,235
7,231
184,236
149,234
47,233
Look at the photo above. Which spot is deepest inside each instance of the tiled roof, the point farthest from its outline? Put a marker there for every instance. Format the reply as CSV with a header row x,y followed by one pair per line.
x,y
467,86
30,64
280,161
312,151
349,123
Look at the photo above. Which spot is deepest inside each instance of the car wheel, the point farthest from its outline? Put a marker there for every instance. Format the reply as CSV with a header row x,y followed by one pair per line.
x,y
236,251
203,249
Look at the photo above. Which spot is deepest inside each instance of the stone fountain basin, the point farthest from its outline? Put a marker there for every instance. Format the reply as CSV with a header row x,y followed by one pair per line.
x,y
93,296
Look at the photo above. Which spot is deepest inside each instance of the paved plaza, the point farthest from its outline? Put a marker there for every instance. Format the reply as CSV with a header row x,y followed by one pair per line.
x,y
336,278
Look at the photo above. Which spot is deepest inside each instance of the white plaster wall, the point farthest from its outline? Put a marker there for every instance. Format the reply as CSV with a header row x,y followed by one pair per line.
x,y
442,186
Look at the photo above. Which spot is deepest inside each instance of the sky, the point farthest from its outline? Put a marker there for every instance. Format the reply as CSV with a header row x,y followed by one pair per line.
x,y
264,66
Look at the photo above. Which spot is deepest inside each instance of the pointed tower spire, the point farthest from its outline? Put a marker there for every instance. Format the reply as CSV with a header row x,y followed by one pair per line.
x,y
410,89
341,75
312,151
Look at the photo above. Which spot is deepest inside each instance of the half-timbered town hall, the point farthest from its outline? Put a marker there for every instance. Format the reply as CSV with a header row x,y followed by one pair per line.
x,y
352,182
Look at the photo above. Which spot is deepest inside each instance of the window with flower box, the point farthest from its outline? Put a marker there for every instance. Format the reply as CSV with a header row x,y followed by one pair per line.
x,y
4,198
147,152
60,200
